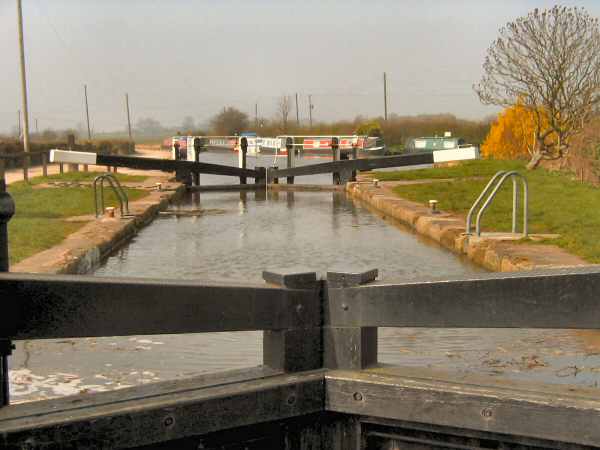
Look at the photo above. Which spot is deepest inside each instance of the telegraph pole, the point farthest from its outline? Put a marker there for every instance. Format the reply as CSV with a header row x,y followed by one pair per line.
x,y
87,112
19,125
384,96
37,130
23,85
128,118
297,114
256,115
310,108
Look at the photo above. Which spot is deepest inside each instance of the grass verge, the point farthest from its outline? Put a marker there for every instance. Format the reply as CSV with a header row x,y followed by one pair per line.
x,y
39,222
467,169
558,203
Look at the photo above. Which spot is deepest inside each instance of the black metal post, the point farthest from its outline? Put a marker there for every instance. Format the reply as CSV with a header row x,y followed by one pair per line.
x,y
243,153
7,210
289,146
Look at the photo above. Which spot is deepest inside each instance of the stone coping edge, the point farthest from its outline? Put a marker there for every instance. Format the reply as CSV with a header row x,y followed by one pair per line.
x,y
83,251
448,231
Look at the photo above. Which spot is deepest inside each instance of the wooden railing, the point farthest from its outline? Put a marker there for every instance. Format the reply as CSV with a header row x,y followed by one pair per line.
x,y
320,385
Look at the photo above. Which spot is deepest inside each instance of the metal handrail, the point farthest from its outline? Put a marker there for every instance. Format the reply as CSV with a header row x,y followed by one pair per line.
x,y
476,203
513,175
117,189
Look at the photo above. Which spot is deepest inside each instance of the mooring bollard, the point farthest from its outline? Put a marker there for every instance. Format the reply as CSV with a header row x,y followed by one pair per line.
x,y
291,156
7,210
433,206
242,157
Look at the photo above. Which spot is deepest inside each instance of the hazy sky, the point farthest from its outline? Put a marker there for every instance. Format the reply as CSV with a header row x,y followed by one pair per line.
x,y
177,58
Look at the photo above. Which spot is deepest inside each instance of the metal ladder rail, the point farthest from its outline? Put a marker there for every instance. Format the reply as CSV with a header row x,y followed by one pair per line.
x,y
476,203
120,192
513,175
117,189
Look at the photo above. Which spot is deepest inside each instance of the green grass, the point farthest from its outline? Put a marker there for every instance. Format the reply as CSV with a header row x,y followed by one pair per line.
x,y
478,168
85,177
557,203
39,222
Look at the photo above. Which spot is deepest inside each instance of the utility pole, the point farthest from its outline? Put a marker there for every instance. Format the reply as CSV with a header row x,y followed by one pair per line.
x,y
128,118
310,108
256,115
19,125
87,112
297,114
23,86
384,96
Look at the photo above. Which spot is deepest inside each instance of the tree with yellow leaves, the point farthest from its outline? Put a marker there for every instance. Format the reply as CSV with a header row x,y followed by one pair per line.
x,y
512,136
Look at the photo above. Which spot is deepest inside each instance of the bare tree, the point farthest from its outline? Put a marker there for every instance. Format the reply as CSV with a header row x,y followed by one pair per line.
x,y
549,62
284,106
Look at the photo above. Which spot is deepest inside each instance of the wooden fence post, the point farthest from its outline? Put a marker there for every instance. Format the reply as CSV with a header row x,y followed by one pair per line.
x,y
347,347
296,349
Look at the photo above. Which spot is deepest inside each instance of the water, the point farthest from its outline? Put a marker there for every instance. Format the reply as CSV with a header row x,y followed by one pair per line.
x,y
235,239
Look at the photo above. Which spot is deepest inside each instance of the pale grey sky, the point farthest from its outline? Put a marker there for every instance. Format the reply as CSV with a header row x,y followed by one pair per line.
x,y
182,57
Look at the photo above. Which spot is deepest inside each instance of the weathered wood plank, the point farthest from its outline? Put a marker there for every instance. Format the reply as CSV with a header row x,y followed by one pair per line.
x,y
550,299
567,418
54,306
163,417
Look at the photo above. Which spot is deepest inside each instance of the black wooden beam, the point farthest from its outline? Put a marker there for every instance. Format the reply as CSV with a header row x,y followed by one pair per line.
x,y
551,299
356,164
38,306
160,412
170,165
561,414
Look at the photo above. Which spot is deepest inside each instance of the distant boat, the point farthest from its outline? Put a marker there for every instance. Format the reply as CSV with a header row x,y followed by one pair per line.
x,y
436,143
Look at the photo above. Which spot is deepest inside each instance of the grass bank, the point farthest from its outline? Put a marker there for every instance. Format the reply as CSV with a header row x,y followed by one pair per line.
x,y
40,221
558,203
